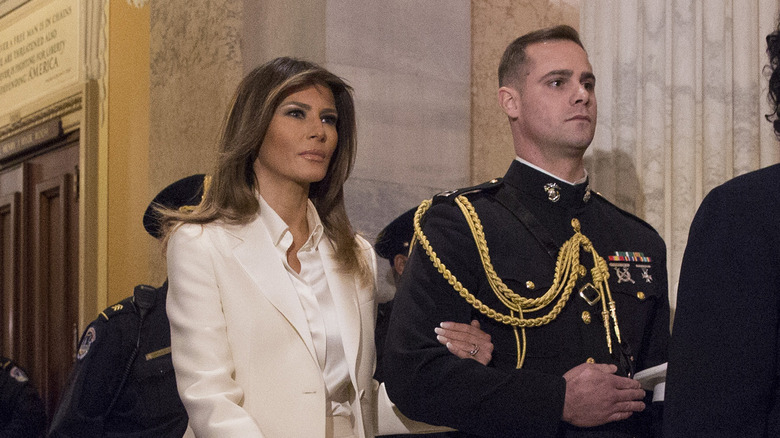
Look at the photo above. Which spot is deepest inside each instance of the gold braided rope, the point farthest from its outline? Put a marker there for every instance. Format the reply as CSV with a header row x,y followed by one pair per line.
x,y
567,271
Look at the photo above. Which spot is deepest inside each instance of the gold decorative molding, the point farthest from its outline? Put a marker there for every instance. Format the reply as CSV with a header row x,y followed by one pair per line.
x,y
58,109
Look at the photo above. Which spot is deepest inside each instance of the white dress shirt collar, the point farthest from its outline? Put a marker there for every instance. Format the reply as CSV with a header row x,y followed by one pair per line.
x,y
533,166
280,231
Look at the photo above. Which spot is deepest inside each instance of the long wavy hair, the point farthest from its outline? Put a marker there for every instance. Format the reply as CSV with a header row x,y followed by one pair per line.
x,y
232,195
773,51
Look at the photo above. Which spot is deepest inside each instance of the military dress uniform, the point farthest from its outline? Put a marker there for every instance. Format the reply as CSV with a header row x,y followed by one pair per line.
x,y
113,392
22,413
526,218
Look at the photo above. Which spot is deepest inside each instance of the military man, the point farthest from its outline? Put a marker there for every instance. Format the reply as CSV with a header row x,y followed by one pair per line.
x,y
393,244
123,382
572,289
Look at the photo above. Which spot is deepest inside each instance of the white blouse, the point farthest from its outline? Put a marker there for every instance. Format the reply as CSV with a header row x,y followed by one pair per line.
x,y
317,302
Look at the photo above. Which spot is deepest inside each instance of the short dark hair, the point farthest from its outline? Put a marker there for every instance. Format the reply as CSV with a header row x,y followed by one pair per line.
x,y
514,57
773,51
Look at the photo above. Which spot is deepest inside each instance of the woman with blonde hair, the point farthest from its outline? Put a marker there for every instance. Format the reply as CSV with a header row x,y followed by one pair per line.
x,y
271,292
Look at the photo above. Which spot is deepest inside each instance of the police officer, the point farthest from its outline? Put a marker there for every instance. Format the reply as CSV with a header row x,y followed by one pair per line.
x,y
571,288
22,413
392,244
123,382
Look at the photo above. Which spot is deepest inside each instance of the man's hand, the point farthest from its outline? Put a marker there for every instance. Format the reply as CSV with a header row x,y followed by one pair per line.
x,y
467,341
596,396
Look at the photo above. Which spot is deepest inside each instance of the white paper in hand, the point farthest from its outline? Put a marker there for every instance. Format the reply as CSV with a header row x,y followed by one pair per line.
x,y
653,379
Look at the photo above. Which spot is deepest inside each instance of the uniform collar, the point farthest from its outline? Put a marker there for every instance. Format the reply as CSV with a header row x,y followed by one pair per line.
x,y
533,166
536,183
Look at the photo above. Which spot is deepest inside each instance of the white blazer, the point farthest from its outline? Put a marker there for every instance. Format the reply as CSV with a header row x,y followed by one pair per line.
x,y
242,351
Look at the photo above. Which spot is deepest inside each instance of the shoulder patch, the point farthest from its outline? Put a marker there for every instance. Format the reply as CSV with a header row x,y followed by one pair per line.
x,y
89,337
641,221
13,371
123,306
18,374
450,195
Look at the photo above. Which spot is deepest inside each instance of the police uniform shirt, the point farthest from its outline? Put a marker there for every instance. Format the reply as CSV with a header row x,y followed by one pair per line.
x,y
148,404
430,385
22,413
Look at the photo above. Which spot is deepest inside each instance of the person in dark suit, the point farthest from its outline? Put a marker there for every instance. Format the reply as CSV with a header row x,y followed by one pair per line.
x,y
123,382
22,414
393,244
724,359
572,289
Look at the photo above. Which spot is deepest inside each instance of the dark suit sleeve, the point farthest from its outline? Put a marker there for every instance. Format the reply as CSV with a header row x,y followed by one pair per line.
x,y
24,409
92,384
427,382
723,355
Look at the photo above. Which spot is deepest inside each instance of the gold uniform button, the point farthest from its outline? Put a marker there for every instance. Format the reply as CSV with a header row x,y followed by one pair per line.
x,y
591,360
530,285
640,295
586,317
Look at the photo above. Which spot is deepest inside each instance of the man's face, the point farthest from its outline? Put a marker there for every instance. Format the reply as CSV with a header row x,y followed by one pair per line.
x,y
556,98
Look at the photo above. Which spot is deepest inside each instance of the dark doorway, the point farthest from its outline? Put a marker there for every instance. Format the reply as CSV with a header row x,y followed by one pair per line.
x,y
39,262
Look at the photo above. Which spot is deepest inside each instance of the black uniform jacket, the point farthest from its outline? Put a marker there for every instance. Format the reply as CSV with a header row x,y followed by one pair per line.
x,y
22,414
724,358
429,384
148,405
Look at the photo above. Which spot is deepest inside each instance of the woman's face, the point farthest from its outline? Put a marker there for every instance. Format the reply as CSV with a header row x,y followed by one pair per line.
x,y
301,138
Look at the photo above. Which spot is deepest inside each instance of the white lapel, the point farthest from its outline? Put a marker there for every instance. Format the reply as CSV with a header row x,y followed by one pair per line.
x,y
257,255
343,289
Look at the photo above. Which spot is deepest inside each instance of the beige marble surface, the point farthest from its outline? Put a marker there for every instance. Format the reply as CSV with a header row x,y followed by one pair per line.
x,y
195,65
409,65
408,62
282,28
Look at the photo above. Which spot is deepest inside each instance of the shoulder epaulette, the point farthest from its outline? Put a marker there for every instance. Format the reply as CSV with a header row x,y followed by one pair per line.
x,y
123,306
450,195
624,212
